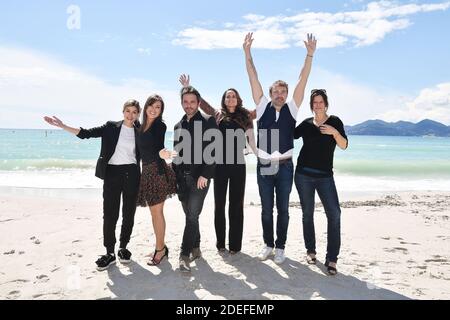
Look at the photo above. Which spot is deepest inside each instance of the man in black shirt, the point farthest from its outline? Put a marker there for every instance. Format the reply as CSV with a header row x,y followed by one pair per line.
x,y
193,170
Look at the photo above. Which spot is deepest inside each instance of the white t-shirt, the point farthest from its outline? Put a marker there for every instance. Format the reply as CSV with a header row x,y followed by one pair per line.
x,y
260,109
125,152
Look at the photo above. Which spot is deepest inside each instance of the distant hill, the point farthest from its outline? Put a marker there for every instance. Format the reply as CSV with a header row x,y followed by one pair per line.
x,y
400,128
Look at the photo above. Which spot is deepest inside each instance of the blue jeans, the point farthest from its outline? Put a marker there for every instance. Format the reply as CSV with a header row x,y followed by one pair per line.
x,y
192,207
326,189
279,183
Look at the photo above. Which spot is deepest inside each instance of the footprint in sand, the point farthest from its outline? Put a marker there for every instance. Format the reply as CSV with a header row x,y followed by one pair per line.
x,y
403,250
74,254
386,238
42,278
412,243
421,267
17,281
38,295
9,252
436,260
13,294
35,240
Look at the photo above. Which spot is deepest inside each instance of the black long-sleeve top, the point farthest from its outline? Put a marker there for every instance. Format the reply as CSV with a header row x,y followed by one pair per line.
x,y
151,141
318,149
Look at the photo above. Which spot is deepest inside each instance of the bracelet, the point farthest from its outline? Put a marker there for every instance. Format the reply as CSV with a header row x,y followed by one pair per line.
x,y
309,55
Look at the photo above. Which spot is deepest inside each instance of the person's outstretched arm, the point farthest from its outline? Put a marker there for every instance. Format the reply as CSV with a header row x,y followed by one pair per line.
x,y
81,133
204,105
54,121
257,91
299,91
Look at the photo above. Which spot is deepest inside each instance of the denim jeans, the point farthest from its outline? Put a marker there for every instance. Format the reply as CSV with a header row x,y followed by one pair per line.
x,y
326,189
280,184
192,206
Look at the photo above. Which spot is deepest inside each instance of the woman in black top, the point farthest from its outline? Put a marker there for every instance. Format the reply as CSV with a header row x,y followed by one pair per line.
x,y
236,120
157,179
314,171
118,166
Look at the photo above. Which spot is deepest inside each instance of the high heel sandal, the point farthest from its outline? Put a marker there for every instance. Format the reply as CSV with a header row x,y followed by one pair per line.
x,y
311,258
332,271
155,261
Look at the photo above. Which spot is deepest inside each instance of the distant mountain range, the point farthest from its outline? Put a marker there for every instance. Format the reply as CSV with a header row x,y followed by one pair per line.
x,y
400,128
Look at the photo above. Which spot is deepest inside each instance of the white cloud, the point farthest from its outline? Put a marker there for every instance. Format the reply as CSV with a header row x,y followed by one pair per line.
x,y
34,85
358,28
431,103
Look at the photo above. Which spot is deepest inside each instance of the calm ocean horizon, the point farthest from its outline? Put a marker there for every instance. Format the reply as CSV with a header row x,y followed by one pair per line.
x,y
39,158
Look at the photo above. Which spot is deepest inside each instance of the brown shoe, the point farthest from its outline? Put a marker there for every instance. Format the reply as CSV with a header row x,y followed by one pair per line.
x,y
196,254
185,266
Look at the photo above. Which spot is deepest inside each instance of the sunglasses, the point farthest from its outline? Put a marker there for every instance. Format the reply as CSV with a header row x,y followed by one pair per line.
x,y
319,90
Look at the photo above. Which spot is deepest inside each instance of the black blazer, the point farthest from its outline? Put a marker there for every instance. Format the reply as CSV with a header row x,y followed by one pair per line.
x,y
109,132
205,170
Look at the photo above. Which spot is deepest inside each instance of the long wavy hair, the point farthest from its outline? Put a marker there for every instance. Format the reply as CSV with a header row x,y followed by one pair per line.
x,y
241,115
150,101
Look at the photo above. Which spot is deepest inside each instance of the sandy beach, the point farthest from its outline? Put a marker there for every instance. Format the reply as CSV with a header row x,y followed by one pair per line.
x,y
394,246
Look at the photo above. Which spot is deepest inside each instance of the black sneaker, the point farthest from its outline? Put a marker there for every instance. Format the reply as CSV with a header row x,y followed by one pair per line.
x,y
124,256
105,261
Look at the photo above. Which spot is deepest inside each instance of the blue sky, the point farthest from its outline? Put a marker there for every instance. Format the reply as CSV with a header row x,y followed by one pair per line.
x,y
377,59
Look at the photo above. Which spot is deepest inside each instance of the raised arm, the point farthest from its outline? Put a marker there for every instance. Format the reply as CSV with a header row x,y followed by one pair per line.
x,y
204,105
54,121
299,91
257,91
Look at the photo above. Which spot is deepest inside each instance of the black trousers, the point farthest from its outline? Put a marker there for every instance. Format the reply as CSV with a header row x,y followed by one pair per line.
x,y
235,175
120,180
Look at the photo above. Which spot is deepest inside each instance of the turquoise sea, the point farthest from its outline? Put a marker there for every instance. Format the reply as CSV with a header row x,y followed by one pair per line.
x,y
57,159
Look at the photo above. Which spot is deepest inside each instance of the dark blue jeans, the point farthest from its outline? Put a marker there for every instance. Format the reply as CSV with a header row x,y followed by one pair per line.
x,y
326,189
280,184
192,206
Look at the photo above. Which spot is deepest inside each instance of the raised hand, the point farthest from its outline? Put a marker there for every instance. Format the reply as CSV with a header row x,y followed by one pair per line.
x,y
310,44
248,42
184,80
54,122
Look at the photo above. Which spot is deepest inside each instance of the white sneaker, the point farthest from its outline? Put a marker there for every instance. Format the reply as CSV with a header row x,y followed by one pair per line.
x,y
279,256
265,253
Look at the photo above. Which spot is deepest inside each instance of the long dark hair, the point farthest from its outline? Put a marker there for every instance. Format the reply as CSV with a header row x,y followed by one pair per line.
x,y
241,115
150,101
